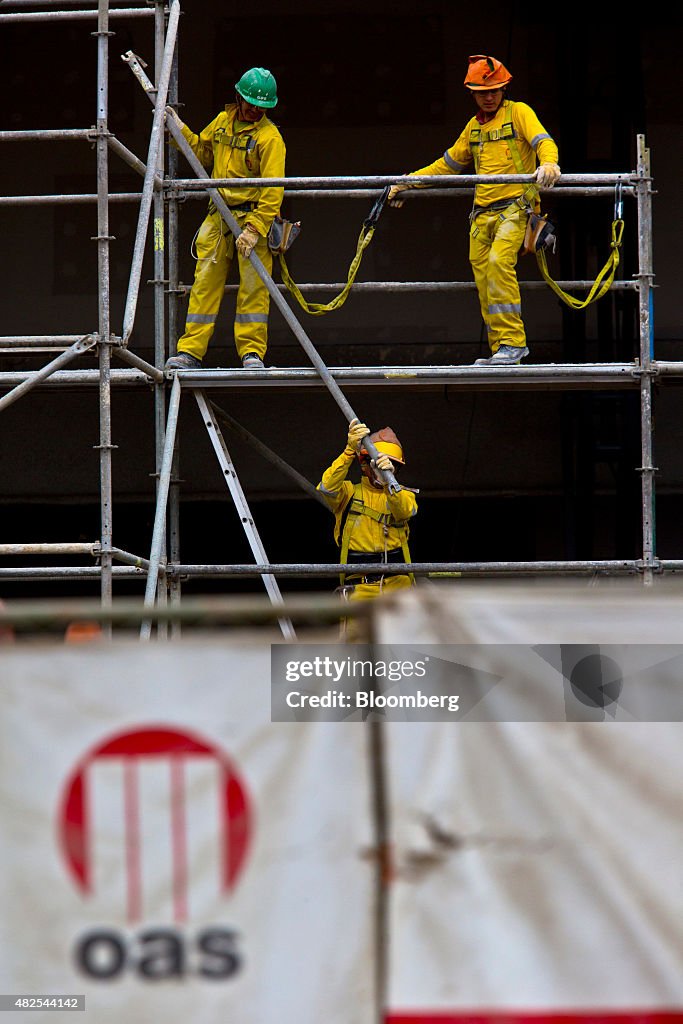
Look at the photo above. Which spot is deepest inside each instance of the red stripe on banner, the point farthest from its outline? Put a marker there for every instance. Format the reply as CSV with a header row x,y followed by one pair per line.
x,y
540,1017
179,838
131,811
74,830
236,828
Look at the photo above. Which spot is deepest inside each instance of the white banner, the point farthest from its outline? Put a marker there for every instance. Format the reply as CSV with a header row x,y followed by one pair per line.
x,y
537,871
170,853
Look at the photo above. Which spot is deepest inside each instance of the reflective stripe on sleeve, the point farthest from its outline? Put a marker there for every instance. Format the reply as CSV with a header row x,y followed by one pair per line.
x,y
453,164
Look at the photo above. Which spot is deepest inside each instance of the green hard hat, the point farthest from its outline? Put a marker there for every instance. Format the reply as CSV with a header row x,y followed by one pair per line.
x,y
257,86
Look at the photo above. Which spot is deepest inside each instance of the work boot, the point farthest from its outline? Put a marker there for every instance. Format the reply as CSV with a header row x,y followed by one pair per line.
x,y
183,361
507,355
250,361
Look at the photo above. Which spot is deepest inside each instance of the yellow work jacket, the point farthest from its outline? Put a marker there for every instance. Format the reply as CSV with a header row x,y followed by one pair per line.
x,y
367,534
494,153
251,151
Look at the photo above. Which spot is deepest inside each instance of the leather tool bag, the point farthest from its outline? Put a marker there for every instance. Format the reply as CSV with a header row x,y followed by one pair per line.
x,y
540,234
282,233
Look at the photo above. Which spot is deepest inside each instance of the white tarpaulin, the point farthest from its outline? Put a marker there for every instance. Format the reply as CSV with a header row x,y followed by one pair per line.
x,y
537,864
168,851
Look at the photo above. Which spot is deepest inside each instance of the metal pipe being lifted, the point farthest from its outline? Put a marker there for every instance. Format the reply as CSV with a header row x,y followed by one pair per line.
x,y
156,139
162,498
297,329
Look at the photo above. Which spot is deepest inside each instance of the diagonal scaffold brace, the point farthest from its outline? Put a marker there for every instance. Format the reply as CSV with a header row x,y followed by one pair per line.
x,y
135,64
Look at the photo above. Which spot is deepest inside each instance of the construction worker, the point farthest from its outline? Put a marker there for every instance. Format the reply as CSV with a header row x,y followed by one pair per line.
x,y
371,525
240,143
503,137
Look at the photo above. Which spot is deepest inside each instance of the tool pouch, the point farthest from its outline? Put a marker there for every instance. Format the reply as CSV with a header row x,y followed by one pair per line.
x,y
540,234
282,233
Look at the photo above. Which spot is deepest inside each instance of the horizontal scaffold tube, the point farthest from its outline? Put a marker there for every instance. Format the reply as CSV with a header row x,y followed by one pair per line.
x,y
121,12
453,180
324,569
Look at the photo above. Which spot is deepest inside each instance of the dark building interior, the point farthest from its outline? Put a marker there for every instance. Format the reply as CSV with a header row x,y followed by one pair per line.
x,y
513,473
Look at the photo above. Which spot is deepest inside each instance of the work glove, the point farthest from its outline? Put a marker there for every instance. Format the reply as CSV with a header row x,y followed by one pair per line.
x,y
247,240
357,431
172,115
547,175
393,192
383,462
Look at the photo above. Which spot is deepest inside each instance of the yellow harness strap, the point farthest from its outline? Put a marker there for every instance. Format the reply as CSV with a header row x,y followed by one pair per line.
x,y
319,308
602,282
357,507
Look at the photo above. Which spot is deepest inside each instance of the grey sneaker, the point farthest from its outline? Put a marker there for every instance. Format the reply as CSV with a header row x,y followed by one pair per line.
x,y
507,355
250,361
183,361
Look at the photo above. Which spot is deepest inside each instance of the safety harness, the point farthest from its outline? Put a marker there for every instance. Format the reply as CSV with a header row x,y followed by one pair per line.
x,y
356,507
364,239
529,200
530,203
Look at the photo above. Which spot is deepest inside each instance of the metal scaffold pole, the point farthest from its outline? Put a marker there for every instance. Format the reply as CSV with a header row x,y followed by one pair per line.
x,y
159,281
160,197
104,312
645,307
174,585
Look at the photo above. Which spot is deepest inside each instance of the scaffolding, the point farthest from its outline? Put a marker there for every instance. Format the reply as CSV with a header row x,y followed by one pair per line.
x,y
162,191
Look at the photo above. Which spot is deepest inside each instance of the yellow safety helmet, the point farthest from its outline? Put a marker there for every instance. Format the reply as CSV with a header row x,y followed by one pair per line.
x,y
385,441
486,73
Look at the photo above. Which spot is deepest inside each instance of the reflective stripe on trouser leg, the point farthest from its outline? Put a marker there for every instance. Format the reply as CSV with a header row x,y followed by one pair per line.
x,y
253,303
493,256
214,253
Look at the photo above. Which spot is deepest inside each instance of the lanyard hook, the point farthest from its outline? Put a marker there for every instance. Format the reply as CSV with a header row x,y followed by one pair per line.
x,y
618,201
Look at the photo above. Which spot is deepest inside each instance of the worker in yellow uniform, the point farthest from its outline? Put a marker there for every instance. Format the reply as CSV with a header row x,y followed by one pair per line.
x,y
240,143
504,137
371,525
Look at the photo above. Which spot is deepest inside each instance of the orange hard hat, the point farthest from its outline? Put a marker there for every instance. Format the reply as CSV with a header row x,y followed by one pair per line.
x,y
385,441
486,73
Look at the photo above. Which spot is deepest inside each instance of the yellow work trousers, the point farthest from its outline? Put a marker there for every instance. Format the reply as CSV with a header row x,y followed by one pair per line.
x,y
495,240
215,247
351,630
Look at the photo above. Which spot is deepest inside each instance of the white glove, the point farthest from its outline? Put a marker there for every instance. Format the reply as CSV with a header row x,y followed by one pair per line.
x,y
384,462
247,240
357,431
547,175
172,115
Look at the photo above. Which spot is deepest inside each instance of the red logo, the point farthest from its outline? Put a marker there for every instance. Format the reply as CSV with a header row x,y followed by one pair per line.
x,y
176,750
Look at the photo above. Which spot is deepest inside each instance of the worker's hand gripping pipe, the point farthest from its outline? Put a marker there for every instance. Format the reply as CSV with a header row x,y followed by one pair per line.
x,y
135,65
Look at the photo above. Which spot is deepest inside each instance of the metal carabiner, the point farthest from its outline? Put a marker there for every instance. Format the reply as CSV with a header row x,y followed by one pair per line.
x,y
618,201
